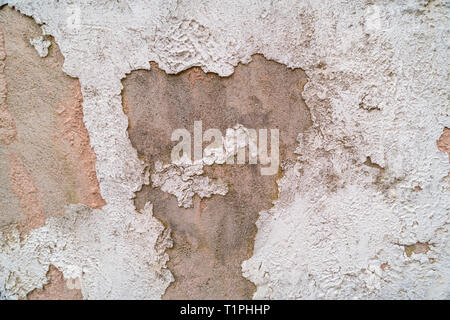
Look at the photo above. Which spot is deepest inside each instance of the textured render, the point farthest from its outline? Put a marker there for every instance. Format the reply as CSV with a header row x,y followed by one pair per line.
x,y
362,212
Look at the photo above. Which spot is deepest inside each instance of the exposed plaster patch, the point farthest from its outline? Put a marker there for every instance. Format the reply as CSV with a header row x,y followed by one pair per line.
x,y
385,266
57,288
23,186
444,142
7,126
213,231
48,161
417,248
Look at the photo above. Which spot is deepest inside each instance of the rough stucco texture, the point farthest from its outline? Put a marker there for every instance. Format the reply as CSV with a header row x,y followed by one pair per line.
x,y
359,208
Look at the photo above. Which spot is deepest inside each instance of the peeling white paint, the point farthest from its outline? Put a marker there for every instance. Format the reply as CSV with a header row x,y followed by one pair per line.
x,y
377,88
185,180
41,45
113,257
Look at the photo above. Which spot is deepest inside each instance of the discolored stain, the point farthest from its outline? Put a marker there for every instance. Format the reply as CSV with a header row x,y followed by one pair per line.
x,y
47,161
385,266
57,288
416,248
212,238
444,142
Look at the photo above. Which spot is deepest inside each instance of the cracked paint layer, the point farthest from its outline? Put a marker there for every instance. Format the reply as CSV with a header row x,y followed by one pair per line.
x,y
213,238
377,88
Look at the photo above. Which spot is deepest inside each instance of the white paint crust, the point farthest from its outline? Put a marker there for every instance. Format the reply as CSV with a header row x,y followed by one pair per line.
x,y
377,88
184,180
41,45
114,256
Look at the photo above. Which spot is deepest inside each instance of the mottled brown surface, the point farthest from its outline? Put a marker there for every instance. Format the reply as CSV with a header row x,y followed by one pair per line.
x,y
7,126
23,187
56,288
417,248
444,142
75,140
45,156
213,238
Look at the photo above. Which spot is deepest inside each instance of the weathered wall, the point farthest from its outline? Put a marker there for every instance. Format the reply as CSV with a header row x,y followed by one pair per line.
x,y
54,243
214,235
361,212
47,159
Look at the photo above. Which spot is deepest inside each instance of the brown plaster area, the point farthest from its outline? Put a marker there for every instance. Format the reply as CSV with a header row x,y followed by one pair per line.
x,y
7,126
46,158
57,288
23,187
417,248
444,142
75,140
212,238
